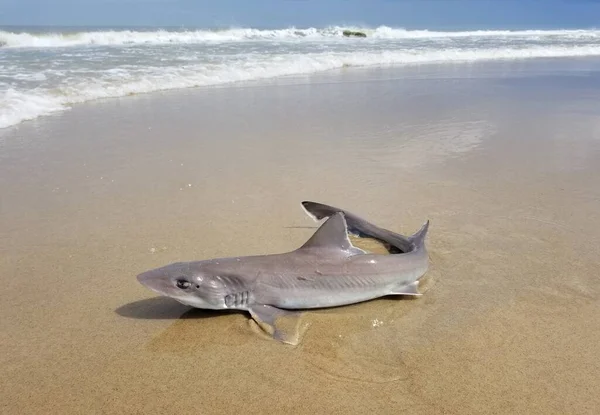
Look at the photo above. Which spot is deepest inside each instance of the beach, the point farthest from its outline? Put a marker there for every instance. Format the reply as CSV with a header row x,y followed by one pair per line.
x,y
502,157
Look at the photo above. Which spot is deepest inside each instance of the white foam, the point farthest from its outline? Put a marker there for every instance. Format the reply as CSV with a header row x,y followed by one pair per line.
x,y
132,37
16,106
81,86
384,32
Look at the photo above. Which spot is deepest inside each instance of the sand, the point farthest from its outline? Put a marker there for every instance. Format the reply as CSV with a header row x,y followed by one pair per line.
x,y
503,158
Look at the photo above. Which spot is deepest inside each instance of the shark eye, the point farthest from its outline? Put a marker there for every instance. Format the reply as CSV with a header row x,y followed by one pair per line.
x,y
183,284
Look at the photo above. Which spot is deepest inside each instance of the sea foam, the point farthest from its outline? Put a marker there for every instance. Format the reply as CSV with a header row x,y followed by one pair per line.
x,y
35,82
133,37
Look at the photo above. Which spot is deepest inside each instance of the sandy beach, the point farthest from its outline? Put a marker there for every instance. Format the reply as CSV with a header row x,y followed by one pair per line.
x,y
502,157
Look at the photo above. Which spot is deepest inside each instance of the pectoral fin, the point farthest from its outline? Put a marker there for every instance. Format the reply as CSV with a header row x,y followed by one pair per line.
x,y
408,289
282,325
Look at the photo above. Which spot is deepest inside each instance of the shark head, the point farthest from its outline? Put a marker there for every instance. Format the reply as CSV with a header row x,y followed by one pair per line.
x,y
188,284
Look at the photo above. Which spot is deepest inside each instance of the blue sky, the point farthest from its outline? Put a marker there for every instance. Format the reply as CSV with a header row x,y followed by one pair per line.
x,y
433,14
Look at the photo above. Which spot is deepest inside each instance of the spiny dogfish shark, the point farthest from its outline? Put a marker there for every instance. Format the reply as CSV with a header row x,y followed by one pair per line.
x,y
327,271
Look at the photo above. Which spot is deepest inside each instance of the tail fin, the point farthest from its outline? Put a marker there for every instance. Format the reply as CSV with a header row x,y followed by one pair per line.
x,y
360,227
356,225
418,239
319,211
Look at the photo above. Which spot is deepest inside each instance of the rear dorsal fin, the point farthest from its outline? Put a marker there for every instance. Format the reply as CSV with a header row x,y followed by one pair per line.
x,y
418,239
333,235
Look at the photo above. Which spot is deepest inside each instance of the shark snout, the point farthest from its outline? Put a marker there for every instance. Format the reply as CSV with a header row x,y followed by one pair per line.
x,y
155,281
145,277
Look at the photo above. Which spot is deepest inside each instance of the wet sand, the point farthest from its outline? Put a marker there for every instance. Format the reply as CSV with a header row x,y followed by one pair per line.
x,y
503,158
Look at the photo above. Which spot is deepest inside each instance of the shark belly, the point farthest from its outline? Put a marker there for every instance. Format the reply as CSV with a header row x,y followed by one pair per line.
x,y
323,300
332,291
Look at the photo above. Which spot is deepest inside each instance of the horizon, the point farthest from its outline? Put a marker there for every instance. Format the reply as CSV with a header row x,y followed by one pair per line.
x,y
81,28
442,15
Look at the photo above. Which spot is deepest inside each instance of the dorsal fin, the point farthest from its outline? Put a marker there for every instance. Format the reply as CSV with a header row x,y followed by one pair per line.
x,y
333,234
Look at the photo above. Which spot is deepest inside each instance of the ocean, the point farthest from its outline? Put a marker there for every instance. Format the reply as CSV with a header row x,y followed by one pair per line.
x,y
43,71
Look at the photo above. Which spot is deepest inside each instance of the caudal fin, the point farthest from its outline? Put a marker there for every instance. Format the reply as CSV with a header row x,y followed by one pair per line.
x,y
318,211
418,239
360,227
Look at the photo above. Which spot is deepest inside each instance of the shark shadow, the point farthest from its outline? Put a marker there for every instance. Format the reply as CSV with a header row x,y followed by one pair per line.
x,y
163,308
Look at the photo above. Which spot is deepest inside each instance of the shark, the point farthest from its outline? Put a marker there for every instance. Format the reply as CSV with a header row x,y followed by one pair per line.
x,y
326,271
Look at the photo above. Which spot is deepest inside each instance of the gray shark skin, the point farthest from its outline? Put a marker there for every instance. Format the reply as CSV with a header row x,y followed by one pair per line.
x,y
327,271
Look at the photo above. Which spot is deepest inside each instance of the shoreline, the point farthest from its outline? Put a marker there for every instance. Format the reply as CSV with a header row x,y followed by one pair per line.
x,y
278,80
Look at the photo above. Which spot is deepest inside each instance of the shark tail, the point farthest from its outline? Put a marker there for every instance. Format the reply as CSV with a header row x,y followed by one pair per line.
x,y
362,228
356,225
418,239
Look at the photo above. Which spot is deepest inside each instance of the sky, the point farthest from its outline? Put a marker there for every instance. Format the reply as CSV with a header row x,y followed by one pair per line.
x,y
410,14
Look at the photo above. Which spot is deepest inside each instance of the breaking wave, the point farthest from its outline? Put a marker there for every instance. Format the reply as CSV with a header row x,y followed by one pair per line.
x,y
43,73
17,106
133,37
